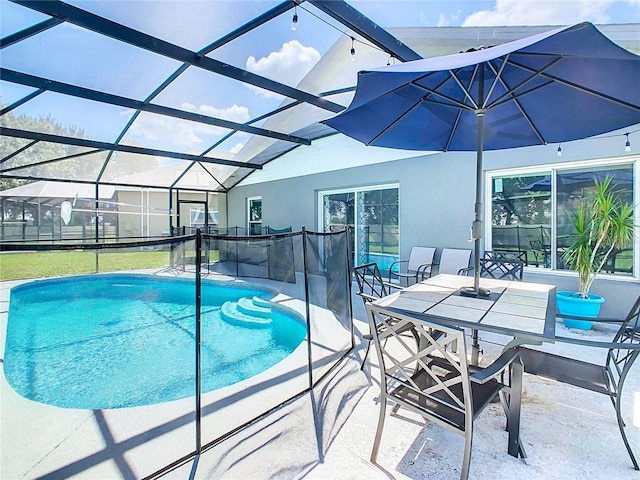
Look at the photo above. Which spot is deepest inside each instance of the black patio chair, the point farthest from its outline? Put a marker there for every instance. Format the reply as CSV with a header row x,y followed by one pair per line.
x,y
608,378
433,381
541,253
501,265
371,286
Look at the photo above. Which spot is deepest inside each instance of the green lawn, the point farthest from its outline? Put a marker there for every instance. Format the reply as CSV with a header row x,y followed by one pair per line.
x,y
18,266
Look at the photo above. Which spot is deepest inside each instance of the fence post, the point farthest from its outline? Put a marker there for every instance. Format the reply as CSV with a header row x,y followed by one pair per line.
x,y
198,326
307,301
348,233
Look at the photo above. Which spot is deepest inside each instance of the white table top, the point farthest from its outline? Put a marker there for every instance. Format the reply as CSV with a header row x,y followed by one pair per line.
x,y
519,309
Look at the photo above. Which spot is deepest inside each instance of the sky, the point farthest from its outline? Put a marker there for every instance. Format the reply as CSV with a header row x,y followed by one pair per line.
x,y
500,12
69,54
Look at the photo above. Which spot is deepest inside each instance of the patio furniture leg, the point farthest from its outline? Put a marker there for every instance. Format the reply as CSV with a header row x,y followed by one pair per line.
x,y
366,352
515,399
466,458
475,348
505,405
376,442
621,424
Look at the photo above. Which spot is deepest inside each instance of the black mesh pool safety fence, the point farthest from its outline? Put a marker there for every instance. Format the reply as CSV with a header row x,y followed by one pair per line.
x,y
168,345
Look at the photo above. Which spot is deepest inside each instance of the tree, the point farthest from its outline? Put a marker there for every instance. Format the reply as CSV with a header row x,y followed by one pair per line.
x,y
39,152
86,167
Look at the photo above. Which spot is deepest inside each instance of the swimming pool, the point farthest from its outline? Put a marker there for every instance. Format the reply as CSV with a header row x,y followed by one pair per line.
x,y
114,340
384,261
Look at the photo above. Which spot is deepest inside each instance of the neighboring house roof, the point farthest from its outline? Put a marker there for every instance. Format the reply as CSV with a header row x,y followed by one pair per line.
x,y
198,177
54,193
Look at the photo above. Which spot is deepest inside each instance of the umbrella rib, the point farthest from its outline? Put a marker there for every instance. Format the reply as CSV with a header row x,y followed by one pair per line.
x,y
514,97
592,92
510,92
453,101
421,87
385,129
464,89
453,130
456,104
553,78
498,77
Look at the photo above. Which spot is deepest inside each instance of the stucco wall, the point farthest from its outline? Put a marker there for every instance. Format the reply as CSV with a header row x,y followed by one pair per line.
x,y
436,197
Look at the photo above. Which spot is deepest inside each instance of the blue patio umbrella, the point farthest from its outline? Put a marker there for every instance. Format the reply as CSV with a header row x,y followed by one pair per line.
x,y
581,180
562,85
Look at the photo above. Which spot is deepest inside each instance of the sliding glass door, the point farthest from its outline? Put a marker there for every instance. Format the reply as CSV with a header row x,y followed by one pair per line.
x,y
373,214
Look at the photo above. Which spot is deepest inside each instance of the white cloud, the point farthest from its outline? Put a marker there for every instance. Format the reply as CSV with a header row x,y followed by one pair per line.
x,y
185,133
233,113
445,21
541,12
288,65
236,148
442,21
156,128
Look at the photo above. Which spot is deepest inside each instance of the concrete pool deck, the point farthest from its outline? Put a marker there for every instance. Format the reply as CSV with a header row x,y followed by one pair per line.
x,y
327,434
568,433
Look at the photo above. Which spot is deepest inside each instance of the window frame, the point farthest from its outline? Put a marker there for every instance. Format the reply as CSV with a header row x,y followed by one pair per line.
x,y
355,190
250,222
553,169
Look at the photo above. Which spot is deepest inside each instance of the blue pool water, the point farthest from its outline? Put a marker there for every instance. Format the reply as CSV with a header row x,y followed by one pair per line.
x,y
383,261
112,341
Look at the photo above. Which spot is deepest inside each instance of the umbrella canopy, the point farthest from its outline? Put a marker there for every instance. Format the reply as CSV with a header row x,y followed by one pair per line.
x,y
581,180
562,85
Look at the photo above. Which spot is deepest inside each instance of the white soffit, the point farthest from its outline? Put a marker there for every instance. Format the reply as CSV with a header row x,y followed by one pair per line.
x,y
328,154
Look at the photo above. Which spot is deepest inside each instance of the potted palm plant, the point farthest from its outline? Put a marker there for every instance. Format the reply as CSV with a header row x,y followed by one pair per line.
x,y
602,225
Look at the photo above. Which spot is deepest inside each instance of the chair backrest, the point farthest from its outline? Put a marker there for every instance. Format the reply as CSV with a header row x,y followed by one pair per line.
x,y
430,379
632,320
621,358
501,265
453,260
370,282
420,256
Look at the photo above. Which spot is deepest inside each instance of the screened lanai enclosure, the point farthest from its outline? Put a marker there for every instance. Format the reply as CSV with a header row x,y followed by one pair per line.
x,y
154,112
130,102
124,126
153,306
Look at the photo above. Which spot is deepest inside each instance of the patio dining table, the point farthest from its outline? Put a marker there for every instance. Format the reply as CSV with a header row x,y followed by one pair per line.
x,y
521,310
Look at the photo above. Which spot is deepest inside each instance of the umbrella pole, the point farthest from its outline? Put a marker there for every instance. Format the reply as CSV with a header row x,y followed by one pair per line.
x,y
476,230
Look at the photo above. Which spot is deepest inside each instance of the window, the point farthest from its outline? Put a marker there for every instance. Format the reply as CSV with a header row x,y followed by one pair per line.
x,y
573,189
521,216
254,215
531,212
373,214
197,216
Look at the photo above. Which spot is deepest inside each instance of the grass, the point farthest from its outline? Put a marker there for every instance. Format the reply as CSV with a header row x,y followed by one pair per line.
x,y
19,266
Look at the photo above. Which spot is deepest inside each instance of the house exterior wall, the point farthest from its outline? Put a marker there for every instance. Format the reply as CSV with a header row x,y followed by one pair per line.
x,y
436,195
145,212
